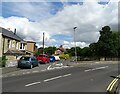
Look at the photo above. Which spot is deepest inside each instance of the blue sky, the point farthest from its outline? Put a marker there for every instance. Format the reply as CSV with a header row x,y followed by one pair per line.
x,y
8,8
57,20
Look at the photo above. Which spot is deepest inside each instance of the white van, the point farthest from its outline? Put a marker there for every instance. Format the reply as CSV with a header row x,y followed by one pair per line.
x,y
57,58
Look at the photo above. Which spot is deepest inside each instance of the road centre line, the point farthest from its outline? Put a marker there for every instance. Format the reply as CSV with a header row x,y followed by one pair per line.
x,y
57,77
32,84
67,75
52,78
95,68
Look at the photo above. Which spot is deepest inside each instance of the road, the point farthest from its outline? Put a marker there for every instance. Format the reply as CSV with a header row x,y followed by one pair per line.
x,y
81,78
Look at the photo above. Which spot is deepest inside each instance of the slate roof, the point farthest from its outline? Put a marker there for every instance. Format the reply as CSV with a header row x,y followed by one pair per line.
x,y
9,34
14,52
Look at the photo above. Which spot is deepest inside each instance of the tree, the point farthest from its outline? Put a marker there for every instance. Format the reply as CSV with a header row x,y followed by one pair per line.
x,y
86,52
50,50
104,42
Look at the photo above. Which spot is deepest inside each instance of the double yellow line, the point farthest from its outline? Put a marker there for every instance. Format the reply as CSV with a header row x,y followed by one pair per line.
x,y
111,85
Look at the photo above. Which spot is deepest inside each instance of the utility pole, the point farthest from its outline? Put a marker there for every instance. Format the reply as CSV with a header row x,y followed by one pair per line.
x,y
43,42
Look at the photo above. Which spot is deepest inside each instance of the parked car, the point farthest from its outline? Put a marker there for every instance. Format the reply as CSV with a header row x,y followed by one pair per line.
x,y
27,61
57,58
43,59
52,58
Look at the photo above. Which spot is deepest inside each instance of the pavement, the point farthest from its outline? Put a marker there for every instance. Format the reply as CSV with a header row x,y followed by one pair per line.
x,y
89,77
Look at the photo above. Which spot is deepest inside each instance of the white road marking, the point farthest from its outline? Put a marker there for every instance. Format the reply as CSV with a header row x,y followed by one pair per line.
x,y
57,67
13,75
32,84
48,67
67,75
96,68
27,72
59,64
43,70
88,70
65,66
52,78
1,76
35,71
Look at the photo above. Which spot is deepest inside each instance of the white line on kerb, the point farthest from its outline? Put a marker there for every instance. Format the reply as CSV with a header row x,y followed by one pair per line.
x,y
52,78
33,84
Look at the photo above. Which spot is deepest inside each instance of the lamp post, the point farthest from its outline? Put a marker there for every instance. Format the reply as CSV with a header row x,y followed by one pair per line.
x,y
75,45
43,43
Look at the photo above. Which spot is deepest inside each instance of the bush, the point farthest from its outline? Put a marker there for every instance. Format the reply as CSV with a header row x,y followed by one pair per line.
x,y
64,56
3,61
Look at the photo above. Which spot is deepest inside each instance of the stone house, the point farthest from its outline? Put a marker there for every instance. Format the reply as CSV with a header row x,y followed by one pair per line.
x,y
12,46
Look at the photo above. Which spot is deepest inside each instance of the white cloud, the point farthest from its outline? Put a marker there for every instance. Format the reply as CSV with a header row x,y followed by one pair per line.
x,y
89,19
68,44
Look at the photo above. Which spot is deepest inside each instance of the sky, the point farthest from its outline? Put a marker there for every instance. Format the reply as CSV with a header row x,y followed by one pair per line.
x,y
57,20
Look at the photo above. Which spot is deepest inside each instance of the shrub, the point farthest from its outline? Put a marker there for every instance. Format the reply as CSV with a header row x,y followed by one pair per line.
x,y
64,56
3,61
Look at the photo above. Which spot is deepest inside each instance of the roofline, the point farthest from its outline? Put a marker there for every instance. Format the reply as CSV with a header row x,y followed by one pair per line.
x,y
11,38
30,42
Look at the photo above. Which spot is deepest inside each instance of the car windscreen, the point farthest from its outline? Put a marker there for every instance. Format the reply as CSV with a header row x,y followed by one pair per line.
x,y
25,58
51,56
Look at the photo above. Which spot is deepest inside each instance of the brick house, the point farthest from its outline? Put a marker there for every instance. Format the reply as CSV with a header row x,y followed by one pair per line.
x,y
60,50
31,47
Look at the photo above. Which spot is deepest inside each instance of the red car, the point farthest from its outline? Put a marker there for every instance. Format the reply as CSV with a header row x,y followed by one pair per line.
x,y
43,58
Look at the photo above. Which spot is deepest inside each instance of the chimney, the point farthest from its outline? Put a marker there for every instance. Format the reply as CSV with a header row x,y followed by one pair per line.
x,y
15,31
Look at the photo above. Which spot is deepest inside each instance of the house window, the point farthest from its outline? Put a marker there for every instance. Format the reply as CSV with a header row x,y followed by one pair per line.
x,y
16,45
8,43
20,45
13,44
24,46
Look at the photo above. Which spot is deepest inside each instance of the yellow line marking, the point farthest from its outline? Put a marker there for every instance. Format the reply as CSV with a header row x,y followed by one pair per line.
x,y
111,85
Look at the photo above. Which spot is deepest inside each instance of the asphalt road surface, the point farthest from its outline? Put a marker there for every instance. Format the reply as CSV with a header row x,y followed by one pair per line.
x,y
81,78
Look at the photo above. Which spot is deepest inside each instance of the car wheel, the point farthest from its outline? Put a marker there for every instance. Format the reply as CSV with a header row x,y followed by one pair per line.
x,y
18,66
45,62
38,64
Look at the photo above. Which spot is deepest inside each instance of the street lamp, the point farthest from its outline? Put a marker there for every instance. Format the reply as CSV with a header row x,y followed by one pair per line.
x,y
75,45
43,42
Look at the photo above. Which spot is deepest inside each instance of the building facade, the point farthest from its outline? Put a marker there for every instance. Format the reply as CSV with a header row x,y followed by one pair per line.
x,y
12,46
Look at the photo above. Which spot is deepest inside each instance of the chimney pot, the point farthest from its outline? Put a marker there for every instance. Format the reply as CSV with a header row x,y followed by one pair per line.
x,y
15,31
